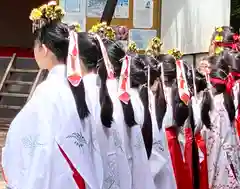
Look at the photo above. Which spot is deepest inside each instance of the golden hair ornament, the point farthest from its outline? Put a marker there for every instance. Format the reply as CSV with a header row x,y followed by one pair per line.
x,y
103,30
177,54
154,47
45,14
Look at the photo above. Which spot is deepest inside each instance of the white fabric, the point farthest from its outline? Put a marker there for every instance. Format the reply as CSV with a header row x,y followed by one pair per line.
x,y
160,162
235,95
189,24
168,120
197,105
222,148
31,158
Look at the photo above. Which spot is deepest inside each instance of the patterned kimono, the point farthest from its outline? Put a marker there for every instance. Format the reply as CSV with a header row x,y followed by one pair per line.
x,y
49,122
236,103
222,149
160,161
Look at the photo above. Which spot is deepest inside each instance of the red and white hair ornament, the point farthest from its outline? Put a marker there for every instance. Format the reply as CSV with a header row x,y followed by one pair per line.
x,y
182,82
108,65
74,72
124,81
53,3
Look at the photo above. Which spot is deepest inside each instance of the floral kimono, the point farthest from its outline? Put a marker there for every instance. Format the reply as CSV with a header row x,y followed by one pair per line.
x,y
160,161
222,148
236,103
47,145
141,173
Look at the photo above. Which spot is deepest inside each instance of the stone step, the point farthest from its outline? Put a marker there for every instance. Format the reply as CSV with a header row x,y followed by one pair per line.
x,y
13,94
15,82
24,70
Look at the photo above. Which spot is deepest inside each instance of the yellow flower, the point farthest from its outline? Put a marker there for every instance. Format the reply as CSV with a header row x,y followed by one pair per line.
x,y
175,53
36,14
77,27
219,29
103,30
132,47
219,38
42,7
218,50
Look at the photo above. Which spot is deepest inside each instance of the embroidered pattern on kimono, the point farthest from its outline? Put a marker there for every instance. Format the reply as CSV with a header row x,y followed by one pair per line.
x,y
222,149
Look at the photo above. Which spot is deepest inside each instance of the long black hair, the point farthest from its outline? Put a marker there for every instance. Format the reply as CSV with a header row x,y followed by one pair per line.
x,y
116,54
54,36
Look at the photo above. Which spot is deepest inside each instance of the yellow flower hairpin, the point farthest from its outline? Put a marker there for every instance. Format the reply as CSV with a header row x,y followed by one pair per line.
x,y
175,53
77,27
218,38
154,47
36,14
103,30
219,29
132,47
49,12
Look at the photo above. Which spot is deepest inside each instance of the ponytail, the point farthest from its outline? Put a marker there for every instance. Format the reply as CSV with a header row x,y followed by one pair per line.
x,y
106,104
79,96
128,114
160,103
147,124
195,156
206,108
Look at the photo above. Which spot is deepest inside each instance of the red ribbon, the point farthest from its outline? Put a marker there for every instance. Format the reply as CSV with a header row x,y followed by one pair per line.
x,y
124,97
228,82
222,44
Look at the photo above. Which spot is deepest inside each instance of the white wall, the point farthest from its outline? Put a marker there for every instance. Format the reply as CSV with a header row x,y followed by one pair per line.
x,y
189,24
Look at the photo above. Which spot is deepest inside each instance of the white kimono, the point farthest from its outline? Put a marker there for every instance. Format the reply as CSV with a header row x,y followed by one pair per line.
x,y
31,157
120,142
222,148
114,173
160,161
141,172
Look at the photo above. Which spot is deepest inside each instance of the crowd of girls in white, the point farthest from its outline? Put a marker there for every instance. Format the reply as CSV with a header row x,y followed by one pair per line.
x,y
107,118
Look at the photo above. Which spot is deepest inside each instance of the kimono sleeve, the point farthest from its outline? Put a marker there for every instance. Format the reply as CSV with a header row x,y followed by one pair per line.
x,y
26,156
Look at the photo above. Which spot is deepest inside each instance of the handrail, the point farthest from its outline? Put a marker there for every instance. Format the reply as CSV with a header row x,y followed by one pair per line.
x,y
7,70
36,81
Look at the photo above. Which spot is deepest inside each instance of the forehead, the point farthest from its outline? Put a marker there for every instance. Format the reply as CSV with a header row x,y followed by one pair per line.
x,y
204,62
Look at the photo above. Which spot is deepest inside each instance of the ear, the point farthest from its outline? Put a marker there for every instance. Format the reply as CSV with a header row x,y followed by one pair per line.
x,y
45,49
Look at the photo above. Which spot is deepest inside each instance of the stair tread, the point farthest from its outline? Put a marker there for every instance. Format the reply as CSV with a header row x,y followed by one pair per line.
x,y
24,70
10,107
19,82
5,120
14,94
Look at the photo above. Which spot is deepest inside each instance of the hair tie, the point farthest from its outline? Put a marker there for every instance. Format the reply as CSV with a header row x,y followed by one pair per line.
x,y
182,82
74,72
107,63
124,81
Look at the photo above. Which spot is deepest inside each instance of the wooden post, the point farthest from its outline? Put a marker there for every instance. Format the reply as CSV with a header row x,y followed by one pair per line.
x,y
109,11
